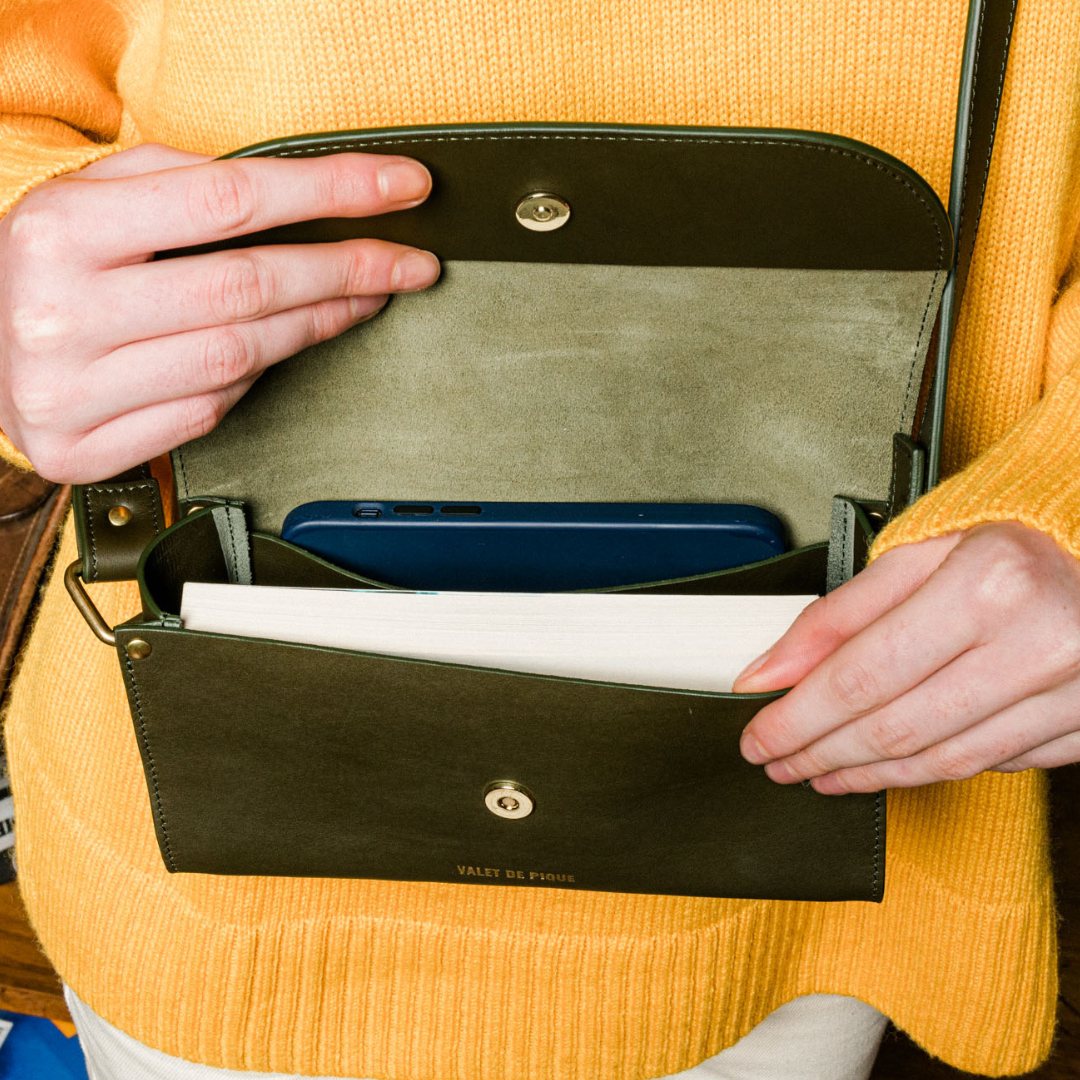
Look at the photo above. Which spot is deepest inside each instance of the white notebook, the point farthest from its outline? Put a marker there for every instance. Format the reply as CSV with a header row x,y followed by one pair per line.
x,y
683,642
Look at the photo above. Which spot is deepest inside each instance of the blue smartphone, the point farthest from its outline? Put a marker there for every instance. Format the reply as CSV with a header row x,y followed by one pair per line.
x,y
532,546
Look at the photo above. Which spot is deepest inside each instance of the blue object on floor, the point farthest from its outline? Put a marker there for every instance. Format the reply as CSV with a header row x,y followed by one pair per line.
x,y
37,1049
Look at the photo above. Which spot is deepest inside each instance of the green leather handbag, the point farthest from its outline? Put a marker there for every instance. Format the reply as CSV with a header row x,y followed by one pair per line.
x,y
718,315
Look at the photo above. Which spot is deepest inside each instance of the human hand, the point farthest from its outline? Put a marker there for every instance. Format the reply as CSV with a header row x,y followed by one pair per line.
x,y
108,358
940,660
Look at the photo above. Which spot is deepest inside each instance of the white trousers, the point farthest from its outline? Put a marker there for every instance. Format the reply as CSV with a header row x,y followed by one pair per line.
x,y
817,1037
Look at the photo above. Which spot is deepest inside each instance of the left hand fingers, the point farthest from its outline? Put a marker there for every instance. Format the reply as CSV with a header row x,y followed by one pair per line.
x,y
890,656
830,621
950,701
1061,751
1022,730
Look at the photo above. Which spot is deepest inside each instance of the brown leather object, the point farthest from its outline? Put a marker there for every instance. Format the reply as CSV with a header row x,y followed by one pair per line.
x,y
31,512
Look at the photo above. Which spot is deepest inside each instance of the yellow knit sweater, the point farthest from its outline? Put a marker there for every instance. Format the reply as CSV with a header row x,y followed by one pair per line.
x,y
416,981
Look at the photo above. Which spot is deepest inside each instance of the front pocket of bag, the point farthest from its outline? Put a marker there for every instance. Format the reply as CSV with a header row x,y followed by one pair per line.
x,y
273,758
264,757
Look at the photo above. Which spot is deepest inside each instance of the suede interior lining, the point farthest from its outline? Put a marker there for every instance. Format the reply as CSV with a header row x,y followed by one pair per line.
x,y
579,382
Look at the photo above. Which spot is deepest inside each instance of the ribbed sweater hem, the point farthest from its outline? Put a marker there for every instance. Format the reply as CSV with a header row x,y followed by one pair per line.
x,y
370,997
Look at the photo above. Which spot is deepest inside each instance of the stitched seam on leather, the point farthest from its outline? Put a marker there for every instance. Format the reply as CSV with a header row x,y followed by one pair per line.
x,y
170,860
153,509
792,144
105,489
891,509
965,187
875,885
232,541
849,544
183,472
90,533
993,125
967,142
911,398
845,547
147,485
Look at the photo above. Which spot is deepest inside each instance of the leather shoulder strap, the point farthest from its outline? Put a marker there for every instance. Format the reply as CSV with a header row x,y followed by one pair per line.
x,y
982,77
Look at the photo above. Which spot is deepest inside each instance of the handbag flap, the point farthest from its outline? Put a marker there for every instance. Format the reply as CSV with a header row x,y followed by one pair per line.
x,y
728,315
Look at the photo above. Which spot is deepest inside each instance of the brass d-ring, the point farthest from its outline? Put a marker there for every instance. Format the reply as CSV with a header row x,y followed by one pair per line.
x,y
87,608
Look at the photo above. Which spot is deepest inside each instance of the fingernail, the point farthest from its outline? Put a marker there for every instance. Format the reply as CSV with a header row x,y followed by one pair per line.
x,y
753,751
780,772
363,307
414,270
404,181
754,665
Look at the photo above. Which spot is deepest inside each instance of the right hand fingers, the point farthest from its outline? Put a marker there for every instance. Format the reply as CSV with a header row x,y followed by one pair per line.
x,y
215,200
142,434
179,387
146,301
146,157
61,244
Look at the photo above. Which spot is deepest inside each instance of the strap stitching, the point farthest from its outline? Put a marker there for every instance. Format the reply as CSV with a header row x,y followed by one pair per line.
x,y
169,858
90,531
967,146
911,399
893,486
965,187
875,883
993,125
849,546
183,471
123,489
836,561
229,511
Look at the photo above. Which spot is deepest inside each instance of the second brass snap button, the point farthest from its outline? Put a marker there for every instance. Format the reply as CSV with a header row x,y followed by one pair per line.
x,y
507,799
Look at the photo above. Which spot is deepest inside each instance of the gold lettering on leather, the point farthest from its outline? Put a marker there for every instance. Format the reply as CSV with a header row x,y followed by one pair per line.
x,y
556,879
535,876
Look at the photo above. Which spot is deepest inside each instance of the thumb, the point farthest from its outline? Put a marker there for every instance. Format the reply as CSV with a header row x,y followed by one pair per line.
x,y
834,618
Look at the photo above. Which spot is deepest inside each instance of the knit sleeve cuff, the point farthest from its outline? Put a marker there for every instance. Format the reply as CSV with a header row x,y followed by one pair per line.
x,y
33,150
12,456
1031,475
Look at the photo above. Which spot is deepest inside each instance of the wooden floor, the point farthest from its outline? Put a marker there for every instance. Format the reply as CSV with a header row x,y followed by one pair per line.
x,y
28,984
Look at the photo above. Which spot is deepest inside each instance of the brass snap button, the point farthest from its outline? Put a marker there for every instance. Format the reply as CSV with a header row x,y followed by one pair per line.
x,y
506,799
119,515
138,649
543,212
